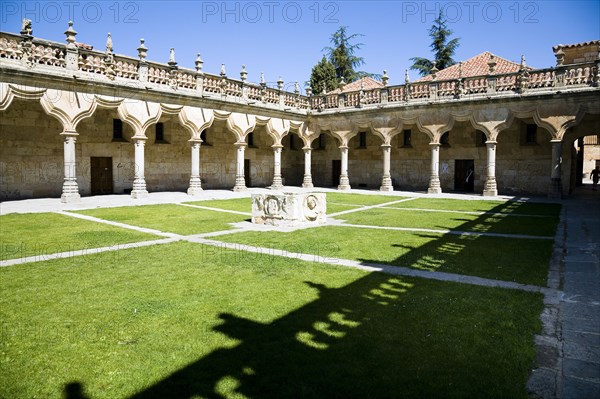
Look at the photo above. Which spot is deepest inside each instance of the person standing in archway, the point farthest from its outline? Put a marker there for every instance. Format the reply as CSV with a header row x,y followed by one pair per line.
x,y
595,177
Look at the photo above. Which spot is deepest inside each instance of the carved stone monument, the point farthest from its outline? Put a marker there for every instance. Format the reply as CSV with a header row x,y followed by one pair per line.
x,y
288,209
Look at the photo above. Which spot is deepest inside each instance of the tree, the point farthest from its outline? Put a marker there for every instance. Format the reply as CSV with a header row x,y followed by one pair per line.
x,y
342,55
443,49
323,77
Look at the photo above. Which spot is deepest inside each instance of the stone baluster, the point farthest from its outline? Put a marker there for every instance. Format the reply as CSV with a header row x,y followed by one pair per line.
x,y
277,181
195,180
307,181
70,189
434,179
490,189
386,180
240,179
139,181
344,180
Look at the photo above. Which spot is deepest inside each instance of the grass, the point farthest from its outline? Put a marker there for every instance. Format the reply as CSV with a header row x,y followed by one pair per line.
x,y
452,221
513,207
185,320
32,234
234,204
169,218
523,260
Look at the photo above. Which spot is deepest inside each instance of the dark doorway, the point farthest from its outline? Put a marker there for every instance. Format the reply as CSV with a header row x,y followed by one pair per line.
x,y
464,175
101,175
247,172
336,171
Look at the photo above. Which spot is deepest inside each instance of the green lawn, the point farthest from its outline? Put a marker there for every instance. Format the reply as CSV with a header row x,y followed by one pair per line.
x,y
235,204
515,207
185,320
523,260
169,218
504,224
23,235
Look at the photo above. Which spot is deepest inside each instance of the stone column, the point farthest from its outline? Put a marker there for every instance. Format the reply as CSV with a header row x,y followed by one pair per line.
x,y
139,181
555,177
240,180
386,181
277,181
344,181
490,189
307,181
195,181
70,189
434,179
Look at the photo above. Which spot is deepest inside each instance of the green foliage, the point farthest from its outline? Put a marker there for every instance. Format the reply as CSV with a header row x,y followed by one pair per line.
x,y
443,48
323,76
342,54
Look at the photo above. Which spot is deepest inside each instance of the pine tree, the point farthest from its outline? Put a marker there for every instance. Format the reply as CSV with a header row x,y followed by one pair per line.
x,y
443,49
323,77
342,55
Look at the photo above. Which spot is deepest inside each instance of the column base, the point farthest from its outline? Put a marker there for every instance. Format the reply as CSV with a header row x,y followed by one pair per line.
x,y
194,190
307,182
277,184
386,184
490,193
344,183
70,197
434,186
434,190
135,194
555,189
239,188
386,188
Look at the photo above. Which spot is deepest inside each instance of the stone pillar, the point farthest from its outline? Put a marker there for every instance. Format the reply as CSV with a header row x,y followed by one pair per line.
x,y
490,189
344,181
307,181
240,180
555,177
386,181
70,190
277,182
434,179
139,181
195,181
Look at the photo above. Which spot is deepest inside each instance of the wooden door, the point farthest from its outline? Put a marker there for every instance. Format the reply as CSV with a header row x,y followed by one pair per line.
x,y
336,171
464,175
101,175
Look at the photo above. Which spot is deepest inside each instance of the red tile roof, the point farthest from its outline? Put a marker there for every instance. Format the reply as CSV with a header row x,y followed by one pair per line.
x,y
476,66
367,83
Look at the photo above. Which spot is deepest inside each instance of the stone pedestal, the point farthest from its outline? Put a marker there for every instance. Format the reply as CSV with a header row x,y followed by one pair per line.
x,y
289,209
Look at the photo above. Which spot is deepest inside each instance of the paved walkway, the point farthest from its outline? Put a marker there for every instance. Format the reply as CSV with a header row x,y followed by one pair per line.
x,y
569,348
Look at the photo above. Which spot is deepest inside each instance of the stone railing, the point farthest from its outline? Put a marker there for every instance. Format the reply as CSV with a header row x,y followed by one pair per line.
x,y
25,50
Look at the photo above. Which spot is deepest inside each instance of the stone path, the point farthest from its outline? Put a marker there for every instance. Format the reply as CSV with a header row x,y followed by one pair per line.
x,y
568,360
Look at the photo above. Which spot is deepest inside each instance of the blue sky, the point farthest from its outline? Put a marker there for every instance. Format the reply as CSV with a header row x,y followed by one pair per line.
x,y
286,38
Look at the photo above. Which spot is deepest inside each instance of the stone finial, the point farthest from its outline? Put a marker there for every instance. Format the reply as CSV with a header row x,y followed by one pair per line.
x,y
492,63
262,79
406,77
71,33
342,82
523,65
280,83
172,61
324,88
199,63
385,78
109,43
434,72
223,73
243,73
142,50
26,29
308,90
560,55
460,70
296,88
362,84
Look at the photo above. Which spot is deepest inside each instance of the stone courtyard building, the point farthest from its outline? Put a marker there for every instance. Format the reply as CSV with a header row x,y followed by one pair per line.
x,y
76,121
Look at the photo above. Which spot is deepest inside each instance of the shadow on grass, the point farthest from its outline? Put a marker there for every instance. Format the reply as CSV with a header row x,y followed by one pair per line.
x,y
377,337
